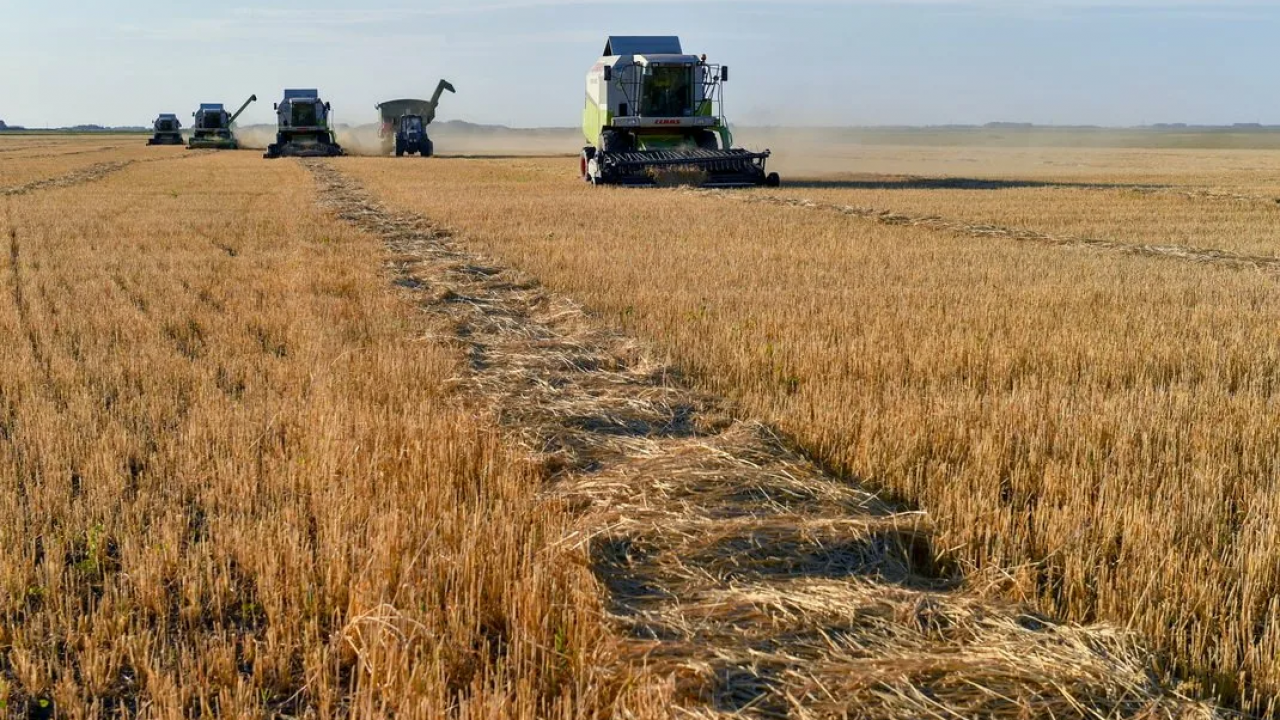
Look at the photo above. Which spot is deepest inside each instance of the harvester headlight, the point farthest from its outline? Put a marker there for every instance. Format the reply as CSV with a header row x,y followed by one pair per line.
x,y
627,122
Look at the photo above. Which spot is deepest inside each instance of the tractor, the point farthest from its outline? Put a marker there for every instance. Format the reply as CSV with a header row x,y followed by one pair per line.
x,y
404,123
412,137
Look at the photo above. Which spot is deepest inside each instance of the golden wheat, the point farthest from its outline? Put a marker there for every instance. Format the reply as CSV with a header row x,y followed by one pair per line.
x,y
1091,432
30,158
245,477
234,483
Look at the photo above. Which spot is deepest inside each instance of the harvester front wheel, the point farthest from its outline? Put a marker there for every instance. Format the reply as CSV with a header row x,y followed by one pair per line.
x,y
706,140
773,180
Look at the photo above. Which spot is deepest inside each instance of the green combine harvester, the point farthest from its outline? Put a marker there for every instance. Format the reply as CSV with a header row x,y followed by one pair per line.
x,y
303,126
655,115
213,128
168,130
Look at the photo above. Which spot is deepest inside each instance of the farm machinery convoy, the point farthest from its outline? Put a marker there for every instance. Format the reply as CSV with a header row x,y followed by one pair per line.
x,y
653,112
653,115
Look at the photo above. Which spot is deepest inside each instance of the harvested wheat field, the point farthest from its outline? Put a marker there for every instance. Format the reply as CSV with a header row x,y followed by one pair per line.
x,y
467,438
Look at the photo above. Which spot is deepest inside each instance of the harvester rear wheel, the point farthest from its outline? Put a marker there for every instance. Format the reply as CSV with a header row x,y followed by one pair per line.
x,y
773,180
588,154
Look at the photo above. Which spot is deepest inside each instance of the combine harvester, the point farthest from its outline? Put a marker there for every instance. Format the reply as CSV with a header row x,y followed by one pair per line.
x,y
655,115
168,130
212,130
404,123
302,127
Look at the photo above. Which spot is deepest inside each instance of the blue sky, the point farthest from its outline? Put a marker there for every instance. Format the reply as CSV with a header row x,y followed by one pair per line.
x,y
522,62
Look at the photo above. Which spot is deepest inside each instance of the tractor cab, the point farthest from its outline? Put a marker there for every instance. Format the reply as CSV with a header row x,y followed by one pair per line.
x,y
412,125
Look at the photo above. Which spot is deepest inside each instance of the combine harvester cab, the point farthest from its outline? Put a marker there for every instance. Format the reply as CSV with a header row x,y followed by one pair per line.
x,y
303,127
168,130
405,121
655,115
213,127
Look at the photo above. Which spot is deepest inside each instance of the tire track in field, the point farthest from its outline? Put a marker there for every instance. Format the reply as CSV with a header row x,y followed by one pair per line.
x,y
9,426
738,570
81,176
21,303
89,174
1207,256
1203,194
71,153
25,148
924,182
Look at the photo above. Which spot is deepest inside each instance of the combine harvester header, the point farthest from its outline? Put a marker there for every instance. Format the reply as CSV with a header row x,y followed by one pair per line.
x,y
654,113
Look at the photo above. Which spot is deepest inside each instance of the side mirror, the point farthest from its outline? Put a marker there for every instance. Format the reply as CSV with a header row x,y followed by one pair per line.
x,y
608,74
275,106
724,73
326,107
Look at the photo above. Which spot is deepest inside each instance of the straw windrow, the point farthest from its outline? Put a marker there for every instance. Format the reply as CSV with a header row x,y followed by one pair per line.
x,y
762,585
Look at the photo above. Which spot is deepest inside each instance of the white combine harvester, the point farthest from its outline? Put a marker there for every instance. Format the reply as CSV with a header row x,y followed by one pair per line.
x,y
653,112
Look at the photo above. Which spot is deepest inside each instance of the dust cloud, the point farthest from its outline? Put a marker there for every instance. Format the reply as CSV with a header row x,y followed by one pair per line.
x,y
256,137
451,140
814,153
360,140
459,139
